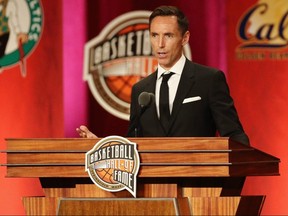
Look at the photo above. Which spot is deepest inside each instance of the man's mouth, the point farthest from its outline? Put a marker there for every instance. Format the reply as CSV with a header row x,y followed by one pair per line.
x,y
162,54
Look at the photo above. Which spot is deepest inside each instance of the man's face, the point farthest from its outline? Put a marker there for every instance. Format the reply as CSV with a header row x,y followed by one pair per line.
x,y
167,40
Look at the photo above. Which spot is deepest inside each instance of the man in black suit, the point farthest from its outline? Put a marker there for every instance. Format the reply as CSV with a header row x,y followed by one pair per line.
x,y
200,104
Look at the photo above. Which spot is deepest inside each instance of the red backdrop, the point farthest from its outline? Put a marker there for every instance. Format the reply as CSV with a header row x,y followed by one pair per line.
x,y
34,106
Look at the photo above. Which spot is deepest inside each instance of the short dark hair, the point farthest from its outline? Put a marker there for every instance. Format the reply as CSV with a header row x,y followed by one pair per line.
x,y
182,20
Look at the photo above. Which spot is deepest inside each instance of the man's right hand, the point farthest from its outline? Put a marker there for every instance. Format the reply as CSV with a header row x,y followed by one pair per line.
x,y
84,132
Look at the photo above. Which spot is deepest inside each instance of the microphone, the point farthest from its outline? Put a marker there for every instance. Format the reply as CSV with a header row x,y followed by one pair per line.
x,y
144,100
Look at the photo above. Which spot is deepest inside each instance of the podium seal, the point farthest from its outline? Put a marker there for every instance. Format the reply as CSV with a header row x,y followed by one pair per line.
x,y
113,164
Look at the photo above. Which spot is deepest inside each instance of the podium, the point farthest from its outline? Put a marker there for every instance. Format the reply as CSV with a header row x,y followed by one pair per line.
x,y
177,176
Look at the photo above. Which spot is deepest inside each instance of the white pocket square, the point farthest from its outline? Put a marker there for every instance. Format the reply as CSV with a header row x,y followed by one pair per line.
x,y
191,99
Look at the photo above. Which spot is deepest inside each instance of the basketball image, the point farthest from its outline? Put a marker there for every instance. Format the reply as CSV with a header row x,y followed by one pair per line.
x,y
106,175
121,74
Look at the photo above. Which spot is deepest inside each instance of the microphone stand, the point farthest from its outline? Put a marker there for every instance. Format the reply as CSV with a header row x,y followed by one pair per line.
x,y
137,127
144,100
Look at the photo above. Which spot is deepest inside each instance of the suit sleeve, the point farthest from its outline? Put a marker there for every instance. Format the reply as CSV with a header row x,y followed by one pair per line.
x,y
224,111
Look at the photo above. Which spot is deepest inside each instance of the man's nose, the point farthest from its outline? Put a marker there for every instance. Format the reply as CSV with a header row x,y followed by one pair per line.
x,y
161,42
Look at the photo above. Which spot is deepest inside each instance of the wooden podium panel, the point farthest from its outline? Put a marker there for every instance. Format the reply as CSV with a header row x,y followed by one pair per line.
x,y
186,175
236,205
119,206
161,157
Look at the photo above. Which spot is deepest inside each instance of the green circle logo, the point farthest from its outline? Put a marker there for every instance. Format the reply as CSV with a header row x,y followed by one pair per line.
x,y
21,24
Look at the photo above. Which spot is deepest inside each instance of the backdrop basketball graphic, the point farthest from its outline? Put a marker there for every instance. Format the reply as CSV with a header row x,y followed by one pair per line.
x,y
113,164
119,57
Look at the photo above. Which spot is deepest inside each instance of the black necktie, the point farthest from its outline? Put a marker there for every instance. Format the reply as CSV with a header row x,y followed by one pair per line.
x,y
164,101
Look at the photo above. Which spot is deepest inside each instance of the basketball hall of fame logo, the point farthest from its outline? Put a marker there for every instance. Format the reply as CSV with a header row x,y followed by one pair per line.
x,y
113,164
119,57
20,29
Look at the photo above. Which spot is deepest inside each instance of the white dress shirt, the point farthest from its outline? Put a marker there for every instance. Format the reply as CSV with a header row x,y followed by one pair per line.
x,y
173,82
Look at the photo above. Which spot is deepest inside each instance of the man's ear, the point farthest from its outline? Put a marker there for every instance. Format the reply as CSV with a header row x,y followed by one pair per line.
x,y
186,37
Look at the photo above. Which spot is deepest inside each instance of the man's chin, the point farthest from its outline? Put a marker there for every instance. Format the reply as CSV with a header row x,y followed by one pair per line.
x,y
163,62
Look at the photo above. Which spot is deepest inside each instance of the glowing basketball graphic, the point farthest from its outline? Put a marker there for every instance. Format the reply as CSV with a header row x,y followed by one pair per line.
x,y
113,164
116,59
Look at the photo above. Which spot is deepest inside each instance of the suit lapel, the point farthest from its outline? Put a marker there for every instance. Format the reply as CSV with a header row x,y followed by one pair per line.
x,y
151,84
150,87
186,82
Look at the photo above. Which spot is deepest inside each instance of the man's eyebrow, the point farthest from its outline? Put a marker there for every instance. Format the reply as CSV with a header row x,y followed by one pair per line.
x,y
166,33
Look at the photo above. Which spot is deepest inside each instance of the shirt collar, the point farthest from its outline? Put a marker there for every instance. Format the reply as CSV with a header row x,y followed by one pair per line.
x,y
177,68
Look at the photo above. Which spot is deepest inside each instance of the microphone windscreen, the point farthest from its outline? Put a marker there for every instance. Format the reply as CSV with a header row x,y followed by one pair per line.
x,y
145,99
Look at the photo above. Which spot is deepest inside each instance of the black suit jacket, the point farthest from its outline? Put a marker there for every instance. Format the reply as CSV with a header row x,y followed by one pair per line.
x,y
210,109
